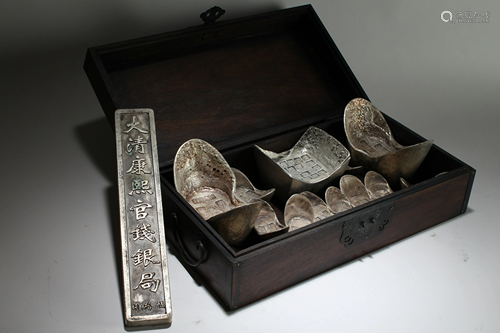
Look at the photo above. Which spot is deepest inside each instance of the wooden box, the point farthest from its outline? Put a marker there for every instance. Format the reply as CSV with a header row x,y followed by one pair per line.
x,y
263,80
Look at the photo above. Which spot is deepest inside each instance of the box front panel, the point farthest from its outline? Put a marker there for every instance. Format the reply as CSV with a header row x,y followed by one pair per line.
x,y
320,249
431,206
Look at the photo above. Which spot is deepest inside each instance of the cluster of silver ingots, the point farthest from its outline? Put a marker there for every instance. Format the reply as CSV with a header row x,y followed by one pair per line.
x,y
232,205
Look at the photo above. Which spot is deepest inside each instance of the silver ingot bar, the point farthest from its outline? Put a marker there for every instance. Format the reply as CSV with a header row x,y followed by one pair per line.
x,y
144,251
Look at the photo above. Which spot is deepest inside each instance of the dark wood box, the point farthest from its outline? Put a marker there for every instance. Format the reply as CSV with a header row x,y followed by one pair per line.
x,y
263,80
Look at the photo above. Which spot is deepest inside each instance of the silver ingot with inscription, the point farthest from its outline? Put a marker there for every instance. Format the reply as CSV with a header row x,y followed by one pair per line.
x,y
246,192
146,289
267,224
316,159
372,144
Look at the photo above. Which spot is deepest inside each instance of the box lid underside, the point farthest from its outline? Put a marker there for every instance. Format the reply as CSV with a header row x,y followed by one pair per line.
x,y
226,84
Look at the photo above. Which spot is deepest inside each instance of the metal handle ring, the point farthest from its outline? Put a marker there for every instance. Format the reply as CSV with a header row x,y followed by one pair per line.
x,y
199,246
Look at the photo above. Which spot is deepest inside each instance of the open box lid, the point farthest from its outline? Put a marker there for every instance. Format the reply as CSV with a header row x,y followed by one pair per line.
x,y
228,82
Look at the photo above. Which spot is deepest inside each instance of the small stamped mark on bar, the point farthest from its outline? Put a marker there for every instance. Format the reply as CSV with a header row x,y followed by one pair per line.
x,y
145,269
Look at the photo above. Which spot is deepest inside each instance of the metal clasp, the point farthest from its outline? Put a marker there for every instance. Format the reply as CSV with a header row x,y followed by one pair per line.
x,y
211,15
364,226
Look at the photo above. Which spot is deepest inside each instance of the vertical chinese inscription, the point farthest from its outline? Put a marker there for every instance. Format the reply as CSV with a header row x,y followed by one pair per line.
x,y
145,271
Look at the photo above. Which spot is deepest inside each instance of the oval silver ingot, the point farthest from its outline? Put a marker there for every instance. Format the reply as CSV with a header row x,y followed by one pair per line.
x,y
320,209
316,159
336,200
298,212
354,190
376,185
372,144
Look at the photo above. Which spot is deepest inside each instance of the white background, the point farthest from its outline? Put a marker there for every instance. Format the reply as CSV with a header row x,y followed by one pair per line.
x,y
59,271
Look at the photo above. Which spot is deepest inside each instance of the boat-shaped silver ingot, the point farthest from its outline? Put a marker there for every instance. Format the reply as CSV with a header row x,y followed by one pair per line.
x,y
372,144
316,159
336,200
376,185
298,212
203,177
320,209
354,190
267,224
235,225
246,192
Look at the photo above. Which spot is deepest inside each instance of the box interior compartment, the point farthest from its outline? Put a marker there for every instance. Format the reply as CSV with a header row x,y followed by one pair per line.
x,y
259,80
243,158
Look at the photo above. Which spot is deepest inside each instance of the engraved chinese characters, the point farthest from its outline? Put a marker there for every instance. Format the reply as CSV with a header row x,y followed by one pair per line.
x,y
145,270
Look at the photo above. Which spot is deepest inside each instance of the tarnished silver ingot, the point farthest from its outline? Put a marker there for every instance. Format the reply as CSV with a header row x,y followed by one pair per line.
x,y
354,190
298,212
376,185
321,210
316,159
236,224
372,144
246,192
336,200
203,177
267,224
